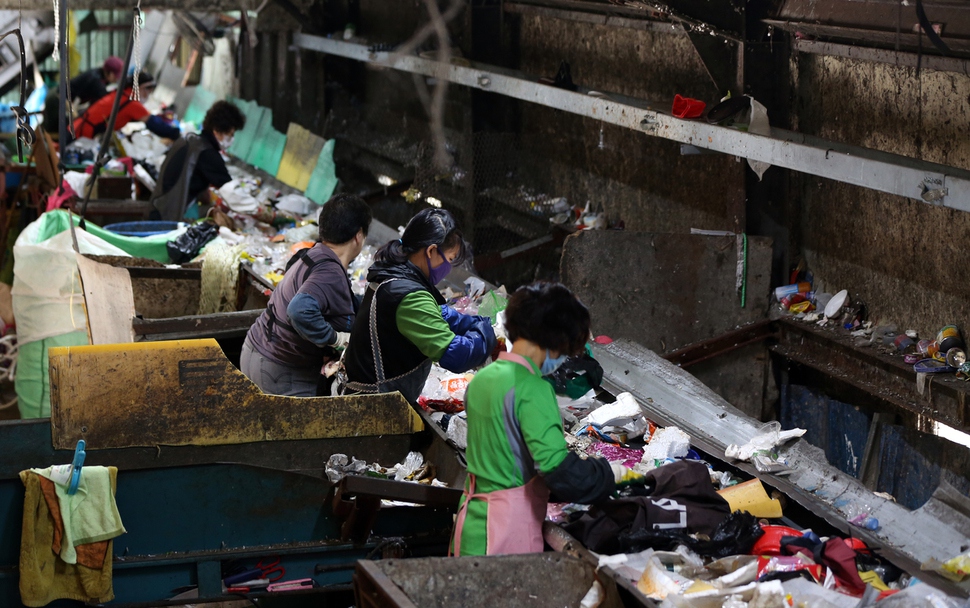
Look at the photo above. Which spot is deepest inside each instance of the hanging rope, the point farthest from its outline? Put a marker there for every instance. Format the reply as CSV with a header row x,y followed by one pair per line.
x,y
8,364
139,23
56,54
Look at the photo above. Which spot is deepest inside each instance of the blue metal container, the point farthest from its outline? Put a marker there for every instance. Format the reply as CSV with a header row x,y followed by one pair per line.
x,y
141,228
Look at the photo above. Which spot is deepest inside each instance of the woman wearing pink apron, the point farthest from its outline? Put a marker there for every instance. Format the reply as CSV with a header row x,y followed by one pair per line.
x,y
516,450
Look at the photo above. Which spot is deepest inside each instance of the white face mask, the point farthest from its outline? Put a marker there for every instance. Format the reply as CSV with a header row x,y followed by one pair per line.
x,y
227,142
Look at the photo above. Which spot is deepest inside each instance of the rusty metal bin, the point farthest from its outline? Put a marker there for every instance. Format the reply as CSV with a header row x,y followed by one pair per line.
x,y
537,579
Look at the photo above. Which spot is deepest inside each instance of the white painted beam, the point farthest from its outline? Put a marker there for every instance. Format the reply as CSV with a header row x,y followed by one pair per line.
x,y
891,173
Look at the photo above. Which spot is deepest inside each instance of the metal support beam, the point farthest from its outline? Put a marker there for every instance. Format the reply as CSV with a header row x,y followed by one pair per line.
x,y
699,352
891,173
899,59
608,20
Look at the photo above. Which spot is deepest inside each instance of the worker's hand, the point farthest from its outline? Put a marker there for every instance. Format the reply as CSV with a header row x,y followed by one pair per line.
x,y
343,339
624,476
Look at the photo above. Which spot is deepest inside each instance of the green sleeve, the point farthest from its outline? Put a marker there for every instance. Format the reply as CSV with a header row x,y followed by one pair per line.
x,y
419,320
541,424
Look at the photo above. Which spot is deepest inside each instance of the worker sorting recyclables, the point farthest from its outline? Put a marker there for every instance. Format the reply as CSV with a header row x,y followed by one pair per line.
x,y
403,324
94,121
310,313
194,163
516,449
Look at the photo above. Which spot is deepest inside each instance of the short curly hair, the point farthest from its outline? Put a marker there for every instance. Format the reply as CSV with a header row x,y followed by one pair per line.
x,y
224,116
549,315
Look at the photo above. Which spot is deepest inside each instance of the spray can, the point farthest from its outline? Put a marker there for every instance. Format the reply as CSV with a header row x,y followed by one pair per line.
x,y
949,337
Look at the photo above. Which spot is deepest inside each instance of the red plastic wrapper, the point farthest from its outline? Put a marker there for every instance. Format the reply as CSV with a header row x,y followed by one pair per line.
x,y
614,453
445,393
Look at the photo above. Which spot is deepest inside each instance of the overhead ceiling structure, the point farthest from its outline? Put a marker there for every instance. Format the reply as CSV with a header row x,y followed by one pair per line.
x,y
891,173
886,24
186,5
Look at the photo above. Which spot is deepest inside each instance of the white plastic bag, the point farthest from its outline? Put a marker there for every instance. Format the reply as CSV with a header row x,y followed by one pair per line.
x,y
236,195
767,437
296,203
46,293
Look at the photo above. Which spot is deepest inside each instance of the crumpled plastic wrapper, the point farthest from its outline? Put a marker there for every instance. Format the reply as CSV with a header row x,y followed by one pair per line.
x,y
767,437
412,462
458,430
629,457
339,466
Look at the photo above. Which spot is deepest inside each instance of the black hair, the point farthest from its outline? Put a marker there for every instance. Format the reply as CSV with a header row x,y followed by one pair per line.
x,y
549,315
224,116
342,217
430,226
143,78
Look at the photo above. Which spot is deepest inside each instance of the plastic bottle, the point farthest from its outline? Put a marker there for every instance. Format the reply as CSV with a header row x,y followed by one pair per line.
x,y
858,515
787,290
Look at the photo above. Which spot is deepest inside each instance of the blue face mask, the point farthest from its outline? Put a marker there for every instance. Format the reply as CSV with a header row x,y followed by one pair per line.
x,y
550,365
439,273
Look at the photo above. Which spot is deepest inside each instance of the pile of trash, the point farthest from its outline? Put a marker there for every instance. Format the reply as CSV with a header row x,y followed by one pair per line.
x,y
413,469
946,353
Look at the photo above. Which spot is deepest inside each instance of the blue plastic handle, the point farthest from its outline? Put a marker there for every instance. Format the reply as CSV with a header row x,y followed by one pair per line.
x,y
79,455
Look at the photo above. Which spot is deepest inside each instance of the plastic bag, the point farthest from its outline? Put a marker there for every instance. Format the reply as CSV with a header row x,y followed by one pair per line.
x,y
46,293
412,462
733,536
444,391
767,437
296,203
458,430
236,195
493,303
190,243
339,466
577,375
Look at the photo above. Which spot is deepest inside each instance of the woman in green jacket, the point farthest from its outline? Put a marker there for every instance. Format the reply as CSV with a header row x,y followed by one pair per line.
x,y
403,323
516,447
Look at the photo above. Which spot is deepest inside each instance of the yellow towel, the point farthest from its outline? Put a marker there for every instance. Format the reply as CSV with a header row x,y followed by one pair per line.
x,y
91,514
44,577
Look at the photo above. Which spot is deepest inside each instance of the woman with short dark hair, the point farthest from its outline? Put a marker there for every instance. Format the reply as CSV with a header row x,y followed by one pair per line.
x,y
403,324
310,313
516,446
194,163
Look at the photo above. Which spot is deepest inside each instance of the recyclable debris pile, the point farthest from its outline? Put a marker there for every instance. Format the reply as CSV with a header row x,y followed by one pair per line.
x,y
944,354
690,535
412,469
693,536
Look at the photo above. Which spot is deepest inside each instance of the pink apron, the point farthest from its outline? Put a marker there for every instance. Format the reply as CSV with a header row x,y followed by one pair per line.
x,y
515,515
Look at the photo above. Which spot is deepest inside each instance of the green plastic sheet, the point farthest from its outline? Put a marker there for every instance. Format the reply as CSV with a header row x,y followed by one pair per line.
x,y
323,180
242,144
151,247
202,100
33,375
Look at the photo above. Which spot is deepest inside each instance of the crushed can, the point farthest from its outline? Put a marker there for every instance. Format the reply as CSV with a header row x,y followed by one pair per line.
x,y
949,337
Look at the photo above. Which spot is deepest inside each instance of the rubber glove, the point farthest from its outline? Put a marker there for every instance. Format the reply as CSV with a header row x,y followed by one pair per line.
x,y
343,339
625,476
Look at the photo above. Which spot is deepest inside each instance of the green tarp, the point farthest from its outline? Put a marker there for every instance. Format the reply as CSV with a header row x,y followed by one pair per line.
x,y
151,247
323,180
202,100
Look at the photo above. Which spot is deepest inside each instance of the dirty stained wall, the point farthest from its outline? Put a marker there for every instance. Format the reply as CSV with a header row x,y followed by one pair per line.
x,y
905,258
640,180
